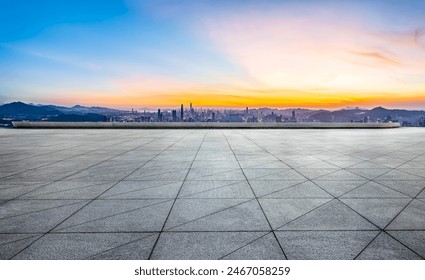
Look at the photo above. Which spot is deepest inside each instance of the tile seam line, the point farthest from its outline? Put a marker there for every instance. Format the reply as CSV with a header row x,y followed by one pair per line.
x,y
337,198
175,199
256,198
26,247
55,162
90,201
58,180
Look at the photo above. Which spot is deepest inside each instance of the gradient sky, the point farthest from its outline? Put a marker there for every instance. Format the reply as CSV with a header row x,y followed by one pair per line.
x,y
134,54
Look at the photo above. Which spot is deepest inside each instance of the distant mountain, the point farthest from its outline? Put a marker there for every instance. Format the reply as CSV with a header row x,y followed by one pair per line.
x,y
357,114
20,108
79,118
22,111
345,115
380,111
78,109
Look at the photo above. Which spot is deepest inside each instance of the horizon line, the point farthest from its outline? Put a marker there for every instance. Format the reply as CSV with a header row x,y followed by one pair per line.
x,y
213,107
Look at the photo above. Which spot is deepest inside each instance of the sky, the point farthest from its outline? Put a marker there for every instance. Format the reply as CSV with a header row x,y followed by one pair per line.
x,y
326,54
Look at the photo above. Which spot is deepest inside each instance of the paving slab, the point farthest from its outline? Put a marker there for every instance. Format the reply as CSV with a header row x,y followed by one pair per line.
x,y
410,188
12,244
338,188
118,216
78,246
201,245
264,248
35,216
282,211
385,247
234,215
216,189
129,189
412,217
69,190
414,240
330,216
379,211
373,190
324,245
211,194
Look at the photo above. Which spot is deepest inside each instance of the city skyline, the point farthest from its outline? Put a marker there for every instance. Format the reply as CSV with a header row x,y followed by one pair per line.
x,y
218,54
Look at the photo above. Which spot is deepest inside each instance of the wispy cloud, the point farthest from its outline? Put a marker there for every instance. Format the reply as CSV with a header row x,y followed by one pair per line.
x,y
378,56
303,52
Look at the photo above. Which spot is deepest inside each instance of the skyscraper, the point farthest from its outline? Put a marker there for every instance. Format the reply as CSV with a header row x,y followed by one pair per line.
x,y
159,115
181,113
293,118
174,113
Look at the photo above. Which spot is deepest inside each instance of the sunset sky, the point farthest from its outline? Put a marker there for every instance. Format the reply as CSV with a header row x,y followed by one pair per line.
x,y
155,53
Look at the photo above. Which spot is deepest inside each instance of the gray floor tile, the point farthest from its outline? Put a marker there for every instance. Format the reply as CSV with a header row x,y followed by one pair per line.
x,y
377,210
384,247
18,190
331,216
143,190
412,239
201,245
78,246
341,175
324,245
369,173
145,170
410,188
216,189
234,216
373,190
271,174
35,216
201,174
412,217
312,173
281,211
118,216
265,187
303,190
12,244
398,175
264,248
158,175
69,190
338,188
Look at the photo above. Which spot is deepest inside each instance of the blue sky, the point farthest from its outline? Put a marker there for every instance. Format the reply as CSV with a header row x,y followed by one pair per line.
x,y
213,53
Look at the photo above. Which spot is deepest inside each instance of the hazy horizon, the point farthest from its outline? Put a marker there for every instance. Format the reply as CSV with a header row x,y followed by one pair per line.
x,y
323,54
187,106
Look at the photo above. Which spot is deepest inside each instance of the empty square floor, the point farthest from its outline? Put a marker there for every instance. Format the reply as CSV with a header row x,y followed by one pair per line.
x,y
212,194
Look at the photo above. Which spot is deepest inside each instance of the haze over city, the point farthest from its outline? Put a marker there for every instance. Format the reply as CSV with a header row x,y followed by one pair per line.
x,y
154,54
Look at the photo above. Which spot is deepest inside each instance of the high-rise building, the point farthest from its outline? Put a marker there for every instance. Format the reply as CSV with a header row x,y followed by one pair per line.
x,y
174,114
159,115
293,118
181,113
213,117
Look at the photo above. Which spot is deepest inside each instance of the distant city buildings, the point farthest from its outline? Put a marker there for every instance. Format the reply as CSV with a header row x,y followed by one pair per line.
x,y
264,115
